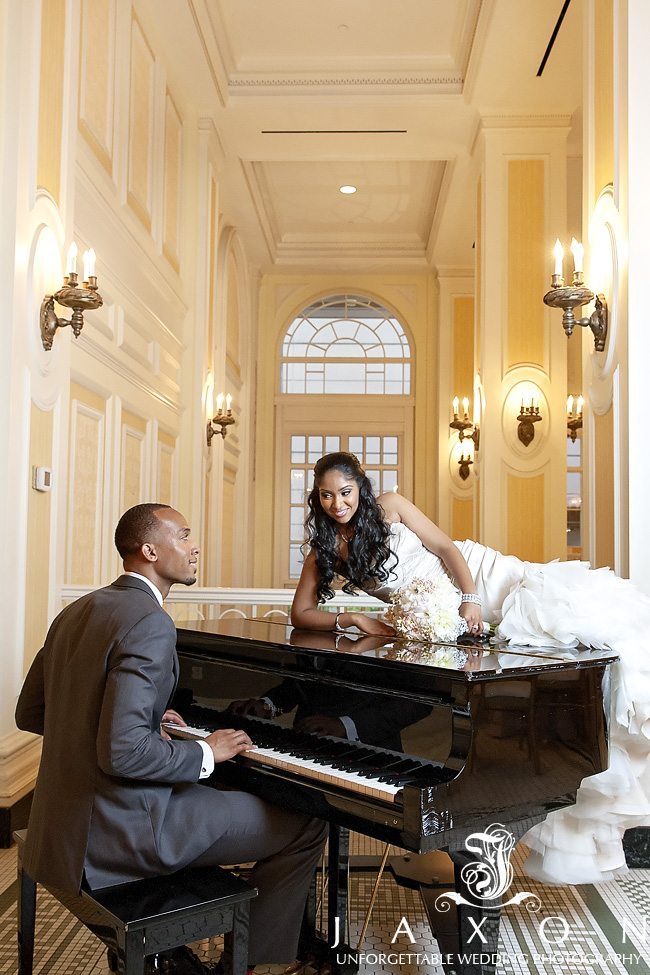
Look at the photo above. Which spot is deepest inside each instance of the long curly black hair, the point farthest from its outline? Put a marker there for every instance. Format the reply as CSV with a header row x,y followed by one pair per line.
x,y
369,554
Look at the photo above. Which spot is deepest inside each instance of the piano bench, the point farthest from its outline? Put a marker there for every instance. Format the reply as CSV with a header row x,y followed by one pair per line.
x,y
145,917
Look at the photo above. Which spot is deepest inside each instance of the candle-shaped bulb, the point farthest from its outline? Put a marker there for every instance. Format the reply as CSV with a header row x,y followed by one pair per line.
x,y
72,258
580,405
558,254
89,264
454,405
465,405
219,402
228,402
569,405
522,405
578,252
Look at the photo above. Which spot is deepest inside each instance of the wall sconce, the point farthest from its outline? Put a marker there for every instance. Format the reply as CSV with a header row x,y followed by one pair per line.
x,y
80,299
528,417
220,419
574,416
465,462
577,294
465,425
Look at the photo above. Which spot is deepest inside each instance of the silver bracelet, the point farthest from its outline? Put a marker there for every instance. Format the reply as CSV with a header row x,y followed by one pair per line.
x,y
336,621
471,597
273,710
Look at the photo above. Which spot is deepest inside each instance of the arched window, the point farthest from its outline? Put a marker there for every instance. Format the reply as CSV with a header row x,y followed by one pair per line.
x,y
340,360
346,344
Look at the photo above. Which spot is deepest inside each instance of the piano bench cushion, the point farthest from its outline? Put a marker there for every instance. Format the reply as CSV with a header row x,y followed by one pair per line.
x,y
146,916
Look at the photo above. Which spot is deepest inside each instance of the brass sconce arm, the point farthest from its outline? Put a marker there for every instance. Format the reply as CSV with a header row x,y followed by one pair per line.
x,y
463,426
573,424
222,420
528,416
464,465
80,299
569,298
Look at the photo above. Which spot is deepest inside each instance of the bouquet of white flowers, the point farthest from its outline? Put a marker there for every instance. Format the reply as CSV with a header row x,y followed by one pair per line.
x,y
427,610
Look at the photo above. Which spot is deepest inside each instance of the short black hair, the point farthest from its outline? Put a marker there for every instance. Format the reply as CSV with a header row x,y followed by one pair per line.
x,y
136,526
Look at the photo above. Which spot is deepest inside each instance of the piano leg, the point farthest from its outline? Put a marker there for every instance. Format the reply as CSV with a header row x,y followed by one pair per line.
x,y
467,936
333,957
338,858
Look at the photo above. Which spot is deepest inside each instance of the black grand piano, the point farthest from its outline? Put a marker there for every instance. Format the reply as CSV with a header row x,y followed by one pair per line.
x,y
416,745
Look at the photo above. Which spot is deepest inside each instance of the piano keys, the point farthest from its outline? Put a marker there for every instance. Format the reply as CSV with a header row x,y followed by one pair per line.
x,y
414,745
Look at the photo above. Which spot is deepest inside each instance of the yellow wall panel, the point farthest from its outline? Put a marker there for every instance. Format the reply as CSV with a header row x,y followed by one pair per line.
x,y
133,442
38,536
212,270
96,77
172,182
50,105
86,490
206,535
131,471
525,513
604,487
166,448
462,519
604,96
526,262
478,251
463,347
141,125
227,527
232,322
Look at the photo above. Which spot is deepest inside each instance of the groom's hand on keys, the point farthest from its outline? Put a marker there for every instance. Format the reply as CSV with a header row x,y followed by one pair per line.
x,y
173,717
228,742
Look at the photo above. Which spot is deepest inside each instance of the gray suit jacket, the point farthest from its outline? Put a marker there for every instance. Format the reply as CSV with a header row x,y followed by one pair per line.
x,y
113,799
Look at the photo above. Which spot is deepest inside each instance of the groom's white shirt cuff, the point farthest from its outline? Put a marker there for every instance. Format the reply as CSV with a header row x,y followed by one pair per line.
x,y
207,765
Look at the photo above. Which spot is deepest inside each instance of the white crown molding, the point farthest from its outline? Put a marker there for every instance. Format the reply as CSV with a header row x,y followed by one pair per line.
x,y
454,271
207,127
241,83
481,27
436,215
218,60
469,32
526,122
261,202
359,253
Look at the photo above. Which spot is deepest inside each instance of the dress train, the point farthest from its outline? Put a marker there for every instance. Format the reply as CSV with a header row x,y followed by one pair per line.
x,y
562,604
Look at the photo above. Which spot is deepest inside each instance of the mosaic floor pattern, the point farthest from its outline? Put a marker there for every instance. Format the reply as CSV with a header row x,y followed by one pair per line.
x,y
577,931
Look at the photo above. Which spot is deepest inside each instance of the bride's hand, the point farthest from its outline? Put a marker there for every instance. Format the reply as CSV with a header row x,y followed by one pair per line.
x,y
369,624
471,613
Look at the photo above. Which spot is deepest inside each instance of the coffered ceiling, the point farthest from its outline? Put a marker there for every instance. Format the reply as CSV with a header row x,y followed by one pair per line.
x,y
307,95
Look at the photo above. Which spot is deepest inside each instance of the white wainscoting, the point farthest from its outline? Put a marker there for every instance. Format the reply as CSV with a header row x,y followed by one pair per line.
x,y
219,603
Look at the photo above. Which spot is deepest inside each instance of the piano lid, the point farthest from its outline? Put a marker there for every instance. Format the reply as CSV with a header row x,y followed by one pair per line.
x,y
465,662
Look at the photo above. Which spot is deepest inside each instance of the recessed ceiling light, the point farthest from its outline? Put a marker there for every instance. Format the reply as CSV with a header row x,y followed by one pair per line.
x,y
347,189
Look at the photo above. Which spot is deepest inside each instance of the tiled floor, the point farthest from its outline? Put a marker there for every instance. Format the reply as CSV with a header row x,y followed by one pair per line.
x,y
597,930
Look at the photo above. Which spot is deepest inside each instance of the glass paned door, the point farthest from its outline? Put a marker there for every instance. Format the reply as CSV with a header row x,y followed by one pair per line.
x,y
379,455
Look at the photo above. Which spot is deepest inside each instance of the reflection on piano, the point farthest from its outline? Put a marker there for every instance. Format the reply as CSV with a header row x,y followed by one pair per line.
x,y
440,732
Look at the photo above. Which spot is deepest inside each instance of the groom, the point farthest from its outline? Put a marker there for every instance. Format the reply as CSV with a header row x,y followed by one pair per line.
x,y
116,799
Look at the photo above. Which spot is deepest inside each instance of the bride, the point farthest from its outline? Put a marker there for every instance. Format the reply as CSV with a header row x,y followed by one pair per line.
x,y
379,544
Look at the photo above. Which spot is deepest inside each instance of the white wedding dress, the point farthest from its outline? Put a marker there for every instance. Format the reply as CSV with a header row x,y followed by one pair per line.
x,y
563,604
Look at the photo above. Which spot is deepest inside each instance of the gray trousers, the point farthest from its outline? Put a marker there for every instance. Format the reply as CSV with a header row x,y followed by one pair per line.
x,y
287,847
